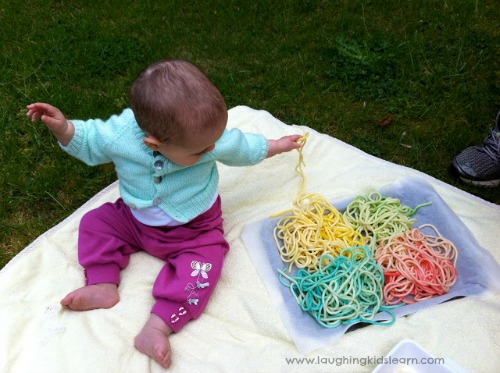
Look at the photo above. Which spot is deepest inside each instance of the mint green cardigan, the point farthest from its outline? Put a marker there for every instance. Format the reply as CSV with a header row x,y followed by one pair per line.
x,y
183,192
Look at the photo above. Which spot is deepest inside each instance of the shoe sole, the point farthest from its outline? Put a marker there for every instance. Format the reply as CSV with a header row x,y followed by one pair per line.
x,y
483,184
478,183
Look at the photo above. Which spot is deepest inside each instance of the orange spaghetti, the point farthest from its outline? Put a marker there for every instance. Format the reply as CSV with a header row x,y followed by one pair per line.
x,y
416,266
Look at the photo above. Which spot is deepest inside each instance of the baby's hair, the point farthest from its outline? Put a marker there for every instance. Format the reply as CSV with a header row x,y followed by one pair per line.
x,y
173,98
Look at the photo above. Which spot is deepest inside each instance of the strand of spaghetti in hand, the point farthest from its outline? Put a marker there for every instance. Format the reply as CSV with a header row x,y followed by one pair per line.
x,y
300,165
417,266
299,169
282,145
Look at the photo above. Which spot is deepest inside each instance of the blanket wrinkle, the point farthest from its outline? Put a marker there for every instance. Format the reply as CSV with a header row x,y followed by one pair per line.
x,y
241,329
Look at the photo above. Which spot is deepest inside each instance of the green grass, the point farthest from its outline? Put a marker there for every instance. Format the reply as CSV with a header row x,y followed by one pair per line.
x,y
337,66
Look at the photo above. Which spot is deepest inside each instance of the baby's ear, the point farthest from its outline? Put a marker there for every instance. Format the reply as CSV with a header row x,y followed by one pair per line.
x,y
152,142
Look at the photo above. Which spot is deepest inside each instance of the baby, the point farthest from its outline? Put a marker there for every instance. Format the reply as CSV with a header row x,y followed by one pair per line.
x,y
164,149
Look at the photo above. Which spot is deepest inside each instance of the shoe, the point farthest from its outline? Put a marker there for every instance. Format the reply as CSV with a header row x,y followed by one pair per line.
x,y
480,165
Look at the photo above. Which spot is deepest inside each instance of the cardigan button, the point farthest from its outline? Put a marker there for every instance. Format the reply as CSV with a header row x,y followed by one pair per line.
x,y
157,179
158,165
157,201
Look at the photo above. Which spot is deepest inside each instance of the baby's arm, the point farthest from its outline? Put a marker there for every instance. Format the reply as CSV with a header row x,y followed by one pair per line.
x,y
55,121
285,144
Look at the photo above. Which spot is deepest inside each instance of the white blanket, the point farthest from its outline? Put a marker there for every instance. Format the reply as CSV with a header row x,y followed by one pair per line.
x,y
240,330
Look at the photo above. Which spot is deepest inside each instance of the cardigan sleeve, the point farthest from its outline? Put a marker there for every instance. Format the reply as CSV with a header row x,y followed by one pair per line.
x,y
237,148
93,138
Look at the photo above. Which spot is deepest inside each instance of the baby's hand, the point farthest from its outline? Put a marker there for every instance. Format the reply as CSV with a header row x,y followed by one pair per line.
x,y
284,144
50,115
54,120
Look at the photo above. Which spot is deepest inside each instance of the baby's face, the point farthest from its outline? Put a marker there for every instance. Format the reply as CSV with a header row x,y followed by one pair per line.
x,y
190,151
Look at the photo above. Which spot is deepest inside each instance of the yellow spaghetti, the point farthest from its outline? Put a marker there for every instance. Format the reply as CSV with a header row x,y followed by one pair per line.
x,y
315,228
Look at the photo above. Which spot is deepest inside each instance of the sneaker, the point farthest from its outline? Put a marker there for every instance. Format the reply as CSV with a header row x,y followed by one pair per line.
x,y
480,165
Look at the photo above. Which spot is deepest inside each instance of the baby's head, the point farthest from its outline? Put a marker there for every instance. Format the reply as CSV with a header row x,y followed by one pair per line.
x,y
177,106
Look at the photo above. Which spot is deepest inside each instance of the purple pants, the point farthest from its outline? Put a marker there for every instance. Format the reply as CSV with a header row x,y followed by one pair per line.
x,y
193,255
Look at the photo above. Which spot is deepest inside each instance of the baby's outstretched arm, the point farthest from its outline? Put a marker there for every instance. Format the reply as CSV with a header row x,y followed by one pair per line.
x,y
55,121
282,145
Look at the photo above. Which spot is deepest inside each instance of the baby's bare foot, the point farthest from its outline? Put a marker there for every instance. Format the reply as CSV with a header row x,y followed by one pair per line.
x,y
153,341
92,297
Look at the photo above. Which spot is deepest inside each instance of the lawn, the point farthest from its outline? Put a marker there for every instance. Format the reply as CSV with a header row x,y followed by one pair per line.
x,y
429,68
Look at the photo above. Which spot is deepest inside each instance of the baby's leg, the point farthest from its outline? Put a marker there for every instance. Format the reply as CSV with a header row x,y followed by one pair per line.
x,y
91,297
107,236
153,340
186,281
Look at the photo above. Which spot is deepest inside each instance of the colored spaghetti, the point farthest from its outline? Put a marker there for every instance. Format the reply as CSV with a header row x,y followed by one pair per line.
x,y
343,290
313,229
374,215
416,266
339,279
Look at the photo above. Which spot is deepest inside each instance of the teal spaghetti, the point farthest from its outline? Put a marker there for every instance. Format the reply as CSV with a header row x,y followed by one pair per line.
x,y
344,290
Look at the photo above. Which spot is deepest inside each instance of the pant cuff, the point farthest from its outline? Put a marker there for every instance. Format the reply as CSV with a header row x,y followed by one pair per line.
x,y
175,314
102,273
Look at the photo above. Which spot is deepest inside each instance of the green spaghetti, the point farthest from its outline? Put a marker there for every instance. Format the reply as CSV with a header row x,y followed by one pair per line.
x,y
374,215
